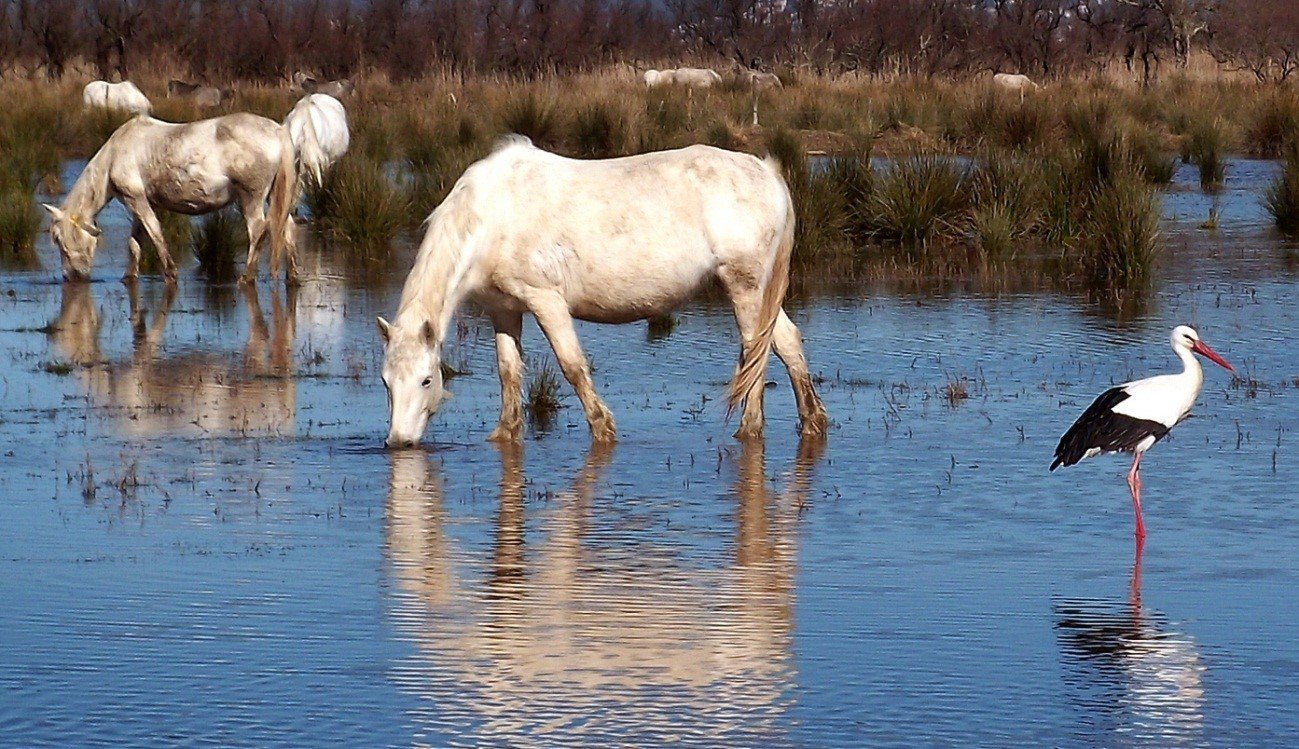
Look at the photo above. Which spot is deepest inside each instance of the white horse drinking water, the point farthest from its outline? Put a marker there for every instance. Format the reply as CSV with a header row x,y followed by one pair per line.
x,y
193,168
611,241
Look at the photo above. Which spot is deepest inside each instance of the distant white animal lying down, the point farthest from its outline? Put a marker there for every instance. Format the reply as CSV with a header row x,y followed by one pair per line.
x,y
318,128
611,241
692,77
119,97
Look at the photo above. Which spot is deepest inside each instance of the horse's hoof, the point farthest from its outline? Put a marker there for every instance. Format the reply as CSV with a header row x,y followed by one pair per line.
x,y
503,434
748,434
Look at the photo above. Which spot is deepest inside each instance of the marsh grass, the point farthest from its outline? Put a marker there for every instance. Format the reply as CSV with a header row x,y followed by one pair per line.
x,y
177,232
1122,234
221,239
359,203
600,130
1275,126
917,199
1282,197
659,327
541,400
533,114
1207,149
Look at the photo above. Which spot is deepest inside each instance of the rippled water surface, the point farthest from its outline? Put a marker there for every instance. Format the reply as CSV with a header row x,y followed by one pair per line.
x,y
200,542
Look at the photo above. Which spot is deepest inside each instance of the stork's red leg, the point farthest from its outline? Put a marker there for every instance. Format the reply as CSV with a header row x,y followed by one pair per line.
x,y
1134,486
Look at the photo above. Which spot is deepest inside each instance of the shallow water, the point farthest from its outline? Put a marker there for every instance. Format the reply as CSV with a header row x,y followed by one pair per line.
x,y
202,543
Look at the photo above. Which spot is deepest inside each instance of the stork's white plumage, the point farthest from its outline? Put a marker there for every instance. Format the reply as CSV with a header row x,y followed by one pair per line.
x,y
1134,416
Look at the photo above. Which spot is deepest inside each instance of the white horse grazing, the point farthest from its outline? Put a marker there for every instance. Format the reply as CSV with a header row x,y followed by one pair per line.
x,y
1014,82
317,126
118,97
611,241
193,168
690,77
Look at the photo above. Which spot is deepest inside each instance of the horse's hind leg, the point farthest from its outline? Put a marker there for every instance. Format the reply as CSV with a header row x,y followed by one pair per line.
x,y
254,211
143,213
552,315
133,246
746,301
788,344
509,364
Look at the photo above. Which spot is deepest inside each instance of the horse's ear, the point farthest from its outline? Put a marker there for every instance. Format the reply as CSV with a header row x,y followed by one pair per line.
x,y
427,330
54,211
385,330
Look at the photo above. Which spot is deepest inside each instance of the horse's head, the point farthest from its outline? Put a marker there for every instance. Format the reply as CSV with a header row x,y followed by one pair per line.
x,y
76,237
412,374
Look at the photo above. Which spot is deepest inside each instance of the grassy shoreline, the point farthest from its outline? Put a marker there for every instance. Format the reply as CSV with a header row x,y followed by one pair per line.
x,y
1068,174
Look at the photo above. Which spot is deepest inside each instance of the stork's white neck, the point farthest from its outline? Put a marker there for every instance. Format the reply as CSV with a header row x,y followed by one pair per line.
x,y
1191,369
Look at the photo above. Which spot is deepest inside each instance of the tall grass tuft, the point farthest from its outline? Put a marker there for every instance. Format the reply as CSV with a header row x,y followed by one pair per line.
x,y
1282,198
1122,234
1207,148
541,400
533,115
220,240
600,130
1275,126
359,203
820,209
917,199
176,232
1003,187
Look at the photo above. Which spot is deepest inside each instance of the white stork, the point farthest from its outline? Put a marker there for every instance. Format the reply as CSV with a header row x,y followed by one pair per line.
x,y
1132,417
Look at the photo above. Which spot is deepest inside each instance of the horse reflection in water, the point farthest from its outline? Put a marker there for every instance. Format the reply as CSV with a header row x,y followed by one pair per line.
x,y
1136,681
200,393
585,629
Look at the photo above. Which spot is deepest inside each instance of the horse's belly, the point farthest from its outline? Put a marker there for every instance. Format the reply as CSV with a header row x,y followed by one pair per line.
x,y
191,192
626,298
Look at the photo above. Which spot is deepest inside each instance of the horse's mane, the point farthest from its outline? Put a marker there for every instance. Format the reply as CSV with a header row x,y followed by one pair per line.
x,y
444,258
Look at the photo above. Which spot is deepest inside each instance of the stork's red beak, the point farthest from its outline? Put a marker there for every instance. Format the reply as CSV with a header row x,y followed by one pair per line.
x,y
1208,353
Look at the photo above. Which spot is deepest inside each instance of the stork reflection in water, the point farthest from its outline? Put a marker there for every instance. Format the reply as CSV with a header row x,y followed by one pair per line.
x,y
583,620
1131,674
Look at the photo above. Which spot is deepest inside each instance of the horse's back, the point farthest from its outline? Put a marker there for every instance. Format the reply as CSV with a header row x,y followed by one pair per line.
x,y
628,237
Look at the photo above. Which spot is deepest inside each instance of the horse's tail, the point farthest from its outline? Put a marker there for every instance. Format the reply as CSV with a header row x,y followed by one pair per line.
x,y
284,193
312,160
753,357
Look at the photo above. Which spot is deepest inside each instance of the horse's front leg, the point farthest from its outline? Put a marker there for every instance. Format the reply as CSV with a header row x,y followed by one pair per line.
x,y
143,214
553,317
509,364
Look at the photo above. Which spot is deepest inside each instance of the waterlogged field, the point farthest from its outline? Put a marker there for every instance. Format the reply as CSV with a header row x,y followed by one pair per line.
x,y
202,543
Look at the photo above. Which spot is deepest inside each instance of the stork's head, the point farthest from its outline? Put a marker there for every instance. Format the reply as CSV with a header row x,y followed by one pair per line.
x,y
1186,339
412,374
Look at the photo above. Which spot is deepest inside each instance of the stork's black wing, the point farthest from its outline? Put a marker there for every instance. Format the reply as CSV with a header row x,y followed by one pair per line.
x,y
1099,428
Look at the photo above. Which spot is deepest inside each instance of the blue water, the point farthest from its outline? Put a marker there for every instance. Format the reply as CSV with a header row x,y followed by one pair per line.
x,y
202,544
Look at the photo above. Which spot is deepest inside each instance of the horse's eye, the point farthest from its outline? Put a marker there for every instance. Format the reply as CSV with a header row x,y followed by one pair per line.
x,y
427,381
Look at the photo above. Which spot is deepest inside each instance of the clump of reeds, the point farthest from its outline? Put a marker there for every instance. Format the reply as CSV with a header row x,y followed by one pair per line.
x,y
541,401
1207,149
660,327
534,115
917,198
1003,187
1274,126
1150,157
359,203
1282,198
600,130
176,232
1121,234
29,160
220,240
